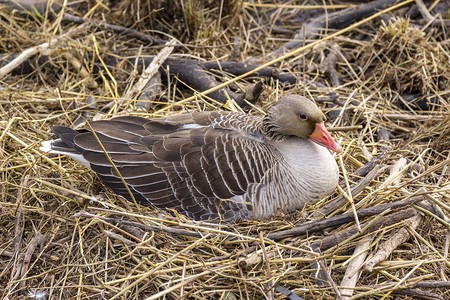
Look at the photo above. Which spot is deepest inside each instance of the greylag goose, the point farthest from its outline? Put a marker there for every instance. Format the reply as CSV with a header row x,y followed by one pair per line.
x,y
213,165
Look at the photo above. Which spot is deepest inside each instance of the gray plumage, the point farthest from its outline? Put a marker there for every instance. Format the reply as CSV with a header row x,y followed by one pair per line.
x,y
211,165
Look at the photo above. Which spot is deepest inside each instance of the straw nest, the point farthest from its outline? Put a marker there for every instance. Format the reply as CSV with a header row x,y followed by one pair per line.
x,y
384,85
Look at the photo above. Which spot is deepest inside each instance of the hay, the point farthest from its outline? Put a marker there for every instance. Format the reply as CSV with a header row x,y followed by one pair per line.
x,y
64,235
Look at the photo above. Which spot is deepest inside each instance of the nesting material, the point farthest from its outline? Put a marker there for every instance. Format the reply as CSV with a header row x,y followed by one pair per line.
x,y
65,235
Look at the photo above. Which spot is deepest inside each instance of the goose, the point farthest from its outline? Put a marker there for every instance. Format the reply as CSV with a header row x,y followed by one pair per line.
x,y
212,165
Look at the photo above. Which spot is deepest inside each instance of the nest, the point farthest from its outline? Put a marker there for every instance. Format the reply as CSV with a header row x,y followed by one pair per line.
x,y
384,86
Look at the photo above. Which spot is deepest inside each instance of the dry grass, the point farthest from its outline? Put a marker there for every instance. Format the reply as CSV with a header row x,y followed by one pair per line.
x,y
46,248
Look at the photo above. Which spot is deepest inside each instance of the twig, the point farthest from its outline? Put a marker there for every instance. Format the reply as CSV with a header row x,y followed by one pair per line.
x,y
316,226
388,220
242,252
150,92
353,270
396,173
270,293
39,239
18,232
151,70
8,253
117,29
329,279
81,70
428,17
83,214
433,284
328,65
192,74
239,68
5,70
345,128
416,282
405,117
364,170
287,293
348,195
416,294
116,236
385,249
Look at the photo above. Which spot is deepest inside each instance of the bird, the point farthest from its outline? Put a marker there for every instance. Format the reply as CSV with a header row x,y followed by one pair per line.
x,y
212,165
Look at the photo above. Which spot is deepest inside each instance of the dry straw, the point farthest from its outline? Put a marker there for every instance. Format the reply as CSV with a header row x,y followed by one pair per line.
x,y
64,235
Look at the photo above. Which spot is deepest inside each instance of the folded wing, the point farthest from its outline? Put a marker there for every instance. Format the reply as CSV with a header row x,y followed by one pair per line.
x,y
201,164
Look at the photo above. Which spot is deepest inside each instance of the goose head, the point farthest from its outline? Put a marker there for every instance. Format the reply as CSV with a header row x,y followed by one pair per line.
x,y
294,115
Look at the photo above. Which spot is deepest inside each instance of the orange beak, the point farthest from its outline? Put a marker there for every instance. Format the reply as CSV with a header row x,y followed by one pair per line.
x,y
322,137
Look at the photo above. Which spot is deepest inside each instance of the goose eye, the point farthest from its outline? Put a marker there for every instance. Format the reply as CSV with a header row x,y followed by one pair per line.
x,y
303,116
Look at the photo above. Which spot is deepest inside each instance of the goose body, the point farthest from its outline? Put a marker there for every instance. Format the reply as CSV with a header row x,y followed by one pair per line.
x,y
212,165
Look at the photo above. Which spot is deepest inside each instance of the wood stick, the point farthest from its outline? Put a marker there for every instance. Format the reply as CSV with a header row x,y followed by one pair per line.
x,y
316,226
335,239
151,70
436,21
385,249
9,67
84,214
353,270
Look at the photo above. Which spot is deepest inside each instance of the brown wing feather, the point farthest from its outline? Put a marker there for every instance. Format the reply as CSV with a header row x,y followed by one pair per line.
x,y
194,162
